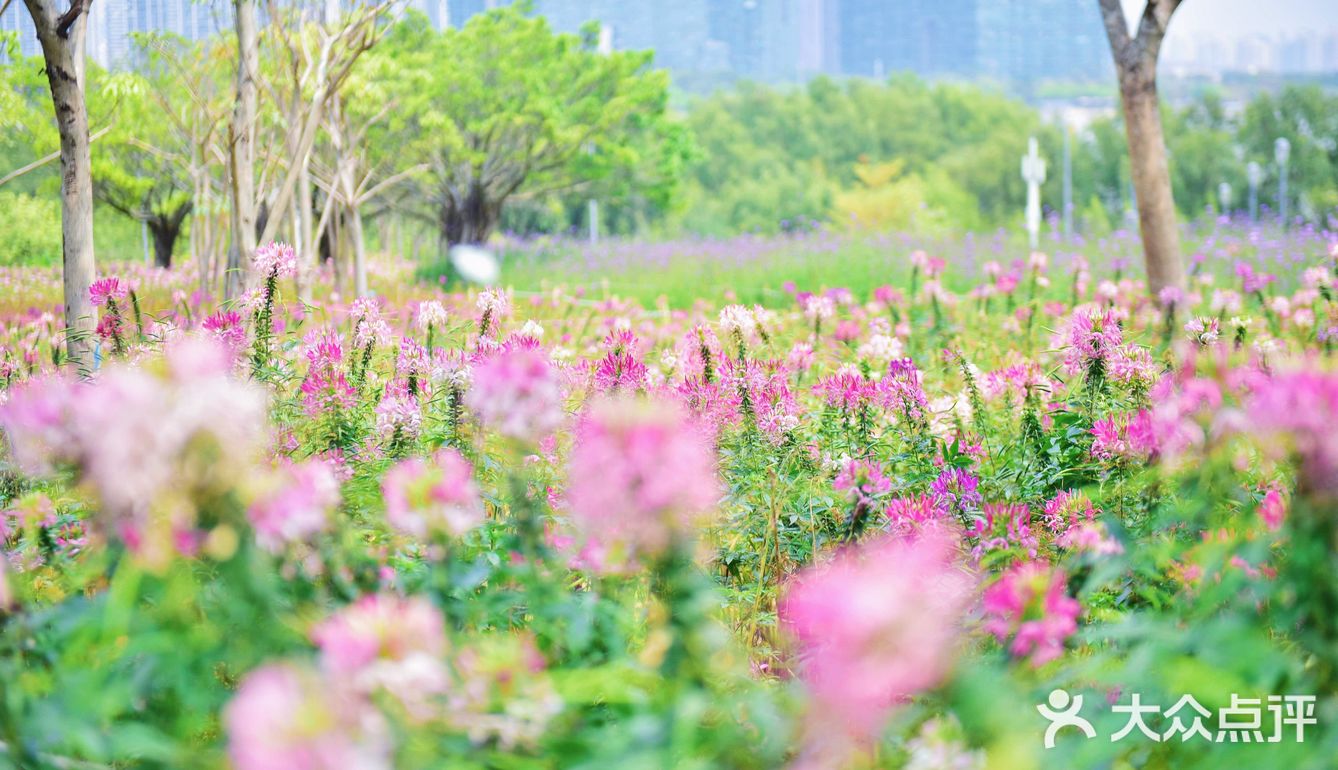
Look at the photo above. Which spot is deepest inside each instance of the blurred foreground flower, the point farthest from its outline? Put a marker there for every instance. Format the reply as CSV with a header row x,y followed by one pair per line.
x,y
640,476
285,717
1030,604
876,626
518,393
432,495
153,447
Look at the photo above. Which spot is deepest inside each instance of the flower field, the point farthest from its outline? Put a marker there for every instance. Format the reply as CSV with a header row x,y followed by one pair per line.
x,y
964,508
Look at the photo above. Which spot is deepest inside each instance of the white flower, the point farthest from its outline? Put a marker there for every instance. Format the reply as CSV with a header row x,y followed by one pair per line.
x,y
532,329
493,301
739,319
881,348
431,313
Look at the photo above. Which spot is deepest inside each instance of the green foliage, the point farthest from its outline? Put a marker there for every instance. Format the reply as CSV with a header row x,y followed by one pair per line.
x,y
29,229
504,108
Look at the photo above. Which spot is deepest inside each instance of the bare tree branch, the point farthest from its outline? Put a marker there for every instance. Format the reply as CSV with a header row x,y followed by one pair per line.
x,y
45,159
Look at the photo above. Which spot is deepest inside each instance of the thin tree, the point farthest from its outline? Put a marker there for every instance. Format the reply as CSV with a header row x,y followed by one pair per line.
x,y
1136,67
61,35
241,149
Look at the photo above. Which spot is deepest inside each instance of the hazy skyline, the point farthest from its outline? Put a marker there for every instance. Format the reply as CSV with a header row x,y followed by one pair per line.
x,y
1242,18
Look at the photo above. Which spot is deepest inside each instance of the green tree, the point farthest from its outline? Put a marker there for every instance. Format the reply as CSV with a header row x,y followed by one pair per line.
x,y
504,107
1308,118
141,169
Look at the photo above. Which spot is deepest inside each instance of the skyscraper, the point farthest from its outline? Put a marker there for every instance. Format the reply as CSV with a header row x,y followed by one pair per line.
x,y
1026,41
17,20
929,37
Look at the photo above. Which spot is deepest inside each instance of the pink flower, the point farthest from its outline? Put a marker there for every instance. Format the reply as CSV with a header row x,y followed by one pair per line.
x,y
1066,509
1110,438
801,357
1296,412
640,476
862,480
900,391
297,508
1094,339
144,443
1273,509
1004,526
847,391
958,488
620,371
285,717
435,495
105,290
518,393
226,326
379,627
398,417
909,515
876,625
431,313
276,260
1029,603
1089,537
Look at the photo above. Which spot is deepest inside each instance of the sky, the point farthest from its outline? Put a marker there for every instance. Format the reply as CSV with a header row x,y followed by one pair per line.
x,y
1239,18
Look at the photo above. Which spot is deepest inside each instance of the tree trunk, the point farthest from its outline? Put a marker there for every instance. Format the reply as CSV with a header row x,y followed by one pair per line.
x,y
166,229
242,155
1136,67
62,40
470,220
1157,220
306,256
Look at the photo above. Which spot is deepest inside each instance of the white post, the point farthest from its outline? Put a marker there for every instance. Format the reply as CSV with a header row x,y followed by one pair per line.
x,y
1033,173
592,209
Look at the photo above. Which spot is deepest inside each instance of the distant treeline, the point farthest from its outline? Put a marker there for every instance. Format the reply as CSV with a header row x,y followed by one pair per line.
x,y
505,126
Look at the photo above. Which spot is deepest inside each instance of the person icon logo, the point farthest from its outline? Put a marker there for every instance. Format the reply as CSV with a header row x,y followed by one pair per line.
x,y
1063,712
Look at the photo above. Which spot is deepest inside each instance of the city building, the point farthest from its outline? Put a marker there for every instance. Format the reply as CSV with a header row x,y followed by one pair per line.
x,y
1016,43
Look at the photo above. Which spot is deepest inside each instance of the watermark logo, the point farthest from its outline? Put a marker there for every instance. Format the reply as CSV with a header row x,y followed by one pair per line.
x,y
1246,720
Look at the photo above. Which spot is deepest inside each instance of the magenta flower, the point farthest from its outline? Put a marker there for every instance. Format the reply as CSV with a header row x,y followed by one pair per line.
x,y
875,626
910,515
1066,509
1004,526
433,495
847,391
900,391
298,508
517,393
1029,603
1273,509
226,326
640,476
1094,339
957,487
286,717
620,371
105,290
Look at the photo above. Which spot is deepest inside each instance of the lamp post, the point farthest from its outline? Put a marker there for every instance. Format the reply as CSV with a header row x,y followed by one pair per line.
x,y
1224,197
1282,151
1254,173
1033,173
1068,182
